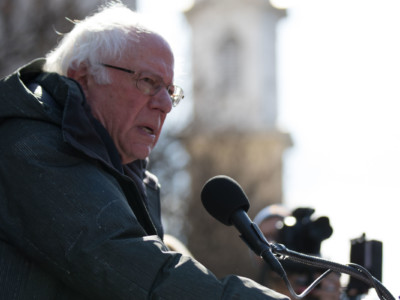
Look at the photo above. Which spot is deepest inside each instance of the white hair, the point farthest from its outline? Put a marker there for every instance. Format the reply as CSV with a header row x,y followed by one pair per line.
x,y
100,36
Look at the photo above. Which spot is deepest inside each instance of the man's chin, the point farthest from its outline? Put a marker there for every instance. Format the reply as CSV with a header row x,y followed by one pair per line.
x,y
141,152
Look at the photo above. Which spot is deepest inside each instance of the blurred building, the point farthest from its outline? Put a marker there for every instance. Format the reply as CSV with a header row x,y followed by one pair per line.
x,y
234,131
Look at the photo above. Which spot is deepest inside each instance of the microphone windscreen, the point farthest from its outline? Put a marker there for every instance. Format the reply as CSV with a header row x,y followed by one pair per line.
x,y
222,196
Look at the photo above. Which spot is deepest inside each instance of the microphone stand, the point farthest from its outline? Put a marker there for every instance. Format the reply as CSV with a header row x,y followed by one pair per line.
x,y
230,207
357,271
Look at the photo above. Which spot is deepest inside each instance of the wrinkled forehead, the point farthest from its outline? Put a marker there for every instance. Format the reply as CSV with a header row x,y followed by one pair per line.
x,y
152,53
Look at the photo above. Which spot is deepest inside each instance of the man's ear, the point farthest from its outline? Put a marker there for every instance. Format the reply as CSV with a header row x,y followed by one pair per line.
x,y
81,75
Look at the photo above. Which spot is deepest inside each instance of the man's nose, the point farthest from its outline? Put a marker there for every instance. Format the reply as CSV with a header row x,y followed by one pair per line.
x,y
162,101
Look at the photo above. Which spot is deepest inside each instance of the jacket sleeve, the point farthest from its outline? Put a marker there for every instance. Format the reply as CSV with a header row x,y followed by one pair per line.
x,y
69,216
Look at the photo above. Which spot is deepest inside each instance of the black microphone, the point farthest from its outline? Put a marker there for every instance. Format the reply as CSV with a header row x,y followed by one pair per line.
x,y
226,201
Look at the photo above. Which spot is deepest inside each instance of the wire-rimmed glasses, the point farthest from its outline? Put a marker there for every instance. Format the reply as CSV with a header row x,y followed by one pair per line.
x,y
150,84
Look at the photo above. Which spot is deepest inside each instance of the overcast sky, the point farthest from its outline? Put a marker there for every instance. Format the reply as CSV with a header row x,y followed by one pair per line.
x,y
339,91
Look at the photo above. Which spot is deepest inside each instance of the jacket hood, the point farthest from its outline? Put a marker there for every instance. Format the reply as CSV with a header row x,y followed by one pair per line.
x,y
64,106
17,101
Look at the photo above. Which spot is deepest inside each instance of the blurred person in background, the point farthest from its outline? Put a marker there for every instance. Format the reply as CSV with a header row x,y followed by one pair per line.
x,y
299,232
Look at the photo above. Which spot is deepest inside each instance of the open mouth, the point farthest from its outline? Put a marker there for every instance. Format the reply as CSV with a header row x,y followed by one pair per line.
x,y
148,130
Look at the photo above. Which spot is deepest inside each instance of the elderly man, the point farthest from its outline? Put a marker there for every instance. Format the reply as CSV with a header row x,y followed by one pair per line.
x,y
79,212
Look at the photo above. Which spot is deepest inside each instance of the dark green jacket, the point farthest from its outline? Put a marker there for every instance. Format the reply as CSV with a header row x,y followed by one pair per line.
x,y
75,223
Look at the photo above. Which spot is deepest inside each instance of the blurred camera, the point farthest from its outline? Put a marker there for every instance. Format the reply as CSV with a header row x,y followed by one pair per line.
x,y
369,255
301,233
